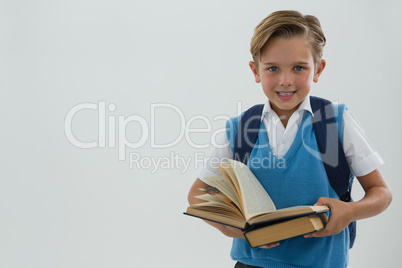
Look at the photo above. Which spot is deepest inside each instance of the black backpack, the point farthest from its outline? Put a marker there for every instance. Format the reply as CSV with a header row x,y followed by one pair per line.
x,y
329,144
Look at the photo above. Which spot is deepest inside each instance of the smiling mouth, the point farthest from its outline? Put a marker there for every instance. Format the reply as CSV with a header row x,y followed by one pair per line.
x,y
286,93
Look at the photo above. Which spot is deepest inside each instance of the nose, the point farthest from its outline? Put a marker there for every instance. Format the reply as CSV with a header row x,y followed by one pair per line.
x,y
286,79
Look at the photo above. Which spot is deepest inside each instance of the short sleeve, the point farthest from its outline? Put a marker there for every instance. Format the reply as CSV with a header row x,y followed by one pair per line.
x,y
360,153
219,154
222,151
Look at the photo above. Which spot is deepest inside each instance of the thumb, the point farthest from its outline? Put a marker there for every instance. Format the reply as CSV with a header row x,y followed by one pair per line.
x,y
322,201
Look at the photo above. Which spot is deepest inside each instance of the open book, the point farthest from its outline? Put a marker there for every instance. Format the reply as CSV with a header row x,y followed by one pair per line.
x,y
239,200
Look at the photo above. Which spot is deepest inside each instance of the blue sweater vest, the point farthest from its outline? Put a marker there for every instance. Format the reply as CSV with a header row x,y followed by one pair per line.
x,y
299,178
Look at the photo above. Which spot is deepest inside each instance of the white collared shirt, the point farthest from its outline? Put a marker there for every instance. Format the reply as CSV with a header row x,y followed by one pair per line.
x,y
360,154
281,138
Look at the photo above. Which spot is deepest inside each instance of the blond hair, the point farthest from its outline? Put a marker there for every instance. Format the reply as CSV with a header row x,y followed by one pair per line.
x,y
288,24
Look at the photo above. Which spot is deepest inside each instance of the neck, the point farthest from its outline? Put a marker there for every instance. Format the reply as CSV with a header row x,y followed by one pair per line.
x,y
284,115
284,120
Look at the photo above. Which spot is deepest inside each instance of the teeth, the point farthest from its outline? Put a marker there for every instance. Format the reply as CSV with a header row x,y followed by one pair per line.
x,y
285,93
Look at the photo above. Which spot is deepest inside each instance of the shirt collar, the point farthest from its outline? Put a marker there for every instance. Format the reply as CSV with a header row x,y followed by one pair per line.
x,y
304,106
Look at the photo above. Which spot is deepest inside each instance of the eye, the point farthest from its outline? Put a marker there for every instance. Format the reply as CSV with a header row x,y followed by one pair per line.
x,y
273,69
299,68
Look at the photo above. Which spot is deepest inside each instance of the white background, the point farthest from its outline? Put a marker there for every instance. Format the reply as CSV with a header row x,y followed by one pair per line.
x,y
63,206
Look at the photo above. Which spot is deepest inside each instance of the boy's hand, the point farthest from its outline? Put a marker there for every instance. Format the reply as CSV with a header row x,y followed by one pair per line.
x,y
341,216
377,198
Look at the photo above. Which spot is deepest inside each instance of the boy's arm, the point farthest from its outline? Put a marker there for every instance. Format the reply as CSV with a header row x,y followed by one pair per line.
x,y
226,230
376,199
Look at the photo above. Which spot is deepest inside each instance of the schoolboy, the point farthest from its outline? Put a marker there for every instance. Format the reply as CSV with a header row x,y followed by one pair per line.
x,y
287,57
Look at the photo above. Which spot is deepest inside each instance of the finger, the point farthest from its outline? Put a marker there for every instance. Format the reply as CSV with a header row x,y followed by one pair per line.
x,y
309,235
326,231
322,201
321,233
272,245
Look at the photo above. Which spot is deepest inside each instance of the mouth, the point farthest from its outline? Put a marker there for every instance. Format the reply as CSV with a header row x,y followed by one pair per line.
x,y
285,95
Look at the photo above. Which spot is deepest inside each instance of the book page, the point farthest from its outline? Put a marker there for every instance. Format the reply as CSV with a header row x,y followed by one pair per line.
x,y
217,205
218,194
215,201
218,214
255,199
211,200
222,185
227,171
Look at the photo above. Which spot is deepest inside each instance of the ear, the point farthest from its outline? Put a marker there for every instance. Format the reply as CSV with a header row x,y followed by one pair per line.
x,y
319,70
253,68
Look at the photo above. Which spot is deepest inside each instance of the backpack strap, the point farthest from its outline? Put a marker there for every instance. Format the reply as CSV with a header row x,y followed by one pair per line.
x,y
249,124
332,154
329,144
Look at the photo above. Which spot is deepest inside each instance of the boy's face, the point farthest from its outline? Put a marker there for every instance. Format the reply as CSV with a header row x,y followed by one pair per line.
x,y
286,71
